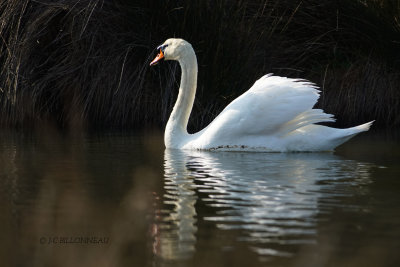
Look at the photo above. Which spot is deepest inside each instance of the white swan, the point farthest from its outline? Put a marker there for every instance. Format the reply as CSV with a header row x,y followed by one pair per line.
x,y
275,115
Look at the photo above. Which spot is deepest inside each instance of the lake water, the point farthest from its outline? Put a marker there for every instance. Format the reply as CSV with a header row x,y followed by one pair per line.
x,y
123,200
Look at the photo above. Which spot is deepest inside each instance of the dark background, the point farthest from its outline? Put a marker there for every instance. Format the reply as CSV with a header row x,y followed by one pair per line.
x,y
83,65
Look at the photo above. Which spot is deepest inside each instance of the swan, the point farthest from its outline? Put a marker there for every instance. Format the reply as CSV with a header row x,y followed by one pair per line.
x,y
275,115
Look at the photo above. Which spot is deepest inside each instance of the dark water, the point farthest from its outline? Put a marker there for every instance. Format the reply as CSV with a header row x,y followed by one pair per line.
x,y
122,200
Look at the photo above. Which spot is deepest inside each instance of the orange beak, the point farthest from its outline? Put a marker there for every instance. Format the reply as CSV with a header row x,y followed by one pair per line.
x,y
158,58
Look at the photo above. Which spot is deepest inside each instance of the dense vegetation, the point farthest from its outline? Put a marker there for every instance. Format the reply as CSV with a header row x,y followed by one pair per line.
x,y
84,64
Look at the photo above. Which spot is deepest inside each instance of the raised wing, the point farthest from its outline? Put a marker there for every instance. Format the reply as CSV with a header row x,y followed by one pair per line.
x,y
273,105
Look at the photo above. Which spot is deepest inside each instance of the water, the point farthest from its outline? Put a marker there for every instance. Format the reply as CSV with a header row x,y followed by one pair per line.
x,y
122,200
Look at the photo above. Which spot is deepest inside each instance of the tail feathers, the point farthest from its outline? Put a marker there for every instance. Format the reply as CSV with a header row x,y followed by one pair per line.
x,y
358,129
362,128
346,134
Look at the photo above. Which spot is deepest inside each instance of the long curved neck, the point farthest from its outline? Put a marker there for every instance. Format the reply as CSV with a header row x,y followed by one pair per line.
x,y
176,129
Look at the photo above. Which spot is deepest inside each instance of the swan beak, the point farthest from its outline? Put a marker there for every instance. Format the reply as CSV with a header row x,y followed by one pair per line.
x,y
158,58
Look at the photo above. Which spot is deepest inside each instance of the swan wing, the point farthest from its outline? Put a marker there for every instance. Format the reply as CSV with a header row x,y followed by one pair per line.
x,y
272,106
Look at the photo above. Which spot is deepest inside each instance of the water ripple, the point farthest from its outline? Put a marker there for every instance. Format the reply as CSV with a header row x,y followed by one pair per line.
x,y
273,199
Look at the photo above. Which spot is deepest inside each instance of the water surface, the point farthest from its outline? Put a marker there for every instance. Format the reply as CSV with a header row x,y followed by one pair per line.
x,y
122,200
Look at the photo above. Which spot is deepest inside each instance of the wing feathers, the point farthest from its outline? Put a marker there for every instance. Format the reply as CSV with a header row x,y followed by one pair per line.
x,y
272,105
306,118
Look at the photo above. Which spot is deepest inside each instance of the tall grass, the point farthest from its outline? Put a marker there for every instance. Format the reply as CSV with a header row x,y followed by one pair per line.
x,y
84,64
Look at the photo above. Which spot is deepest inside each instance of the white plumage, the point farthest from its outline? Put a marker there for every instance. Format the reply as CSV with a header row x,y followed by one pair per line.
x,y
275,115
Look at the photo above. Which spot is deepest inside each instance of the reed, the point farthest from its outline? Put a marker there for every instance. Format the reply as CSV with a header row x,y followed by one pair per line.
x,y
84,64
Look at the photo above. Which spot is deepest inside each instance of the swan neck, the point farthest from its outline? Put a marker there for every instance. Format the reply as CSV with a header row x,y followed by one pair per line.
x,y
176,129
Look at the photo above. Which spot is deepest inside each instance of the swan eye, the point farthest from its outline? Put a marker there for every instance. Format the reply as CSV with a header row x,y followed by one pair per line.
x,y
162,47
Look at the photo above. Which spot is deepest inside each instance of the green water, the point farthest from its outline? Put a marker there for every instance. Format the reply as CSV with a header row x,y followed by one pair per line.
x,y
122,200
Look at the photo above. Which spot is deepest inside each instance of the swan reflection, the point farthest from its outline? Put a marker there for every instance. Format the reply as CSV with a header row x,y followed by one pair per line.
x,y
272,198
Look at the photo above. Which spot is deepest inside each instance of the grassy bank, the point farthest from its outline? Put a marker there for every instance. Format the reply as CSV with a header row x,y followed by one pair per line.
x,y
84,64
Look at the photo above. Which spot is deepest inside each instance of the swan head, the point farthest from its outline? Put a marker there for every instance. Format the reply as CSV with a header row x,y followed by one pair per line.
x,y
172,49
